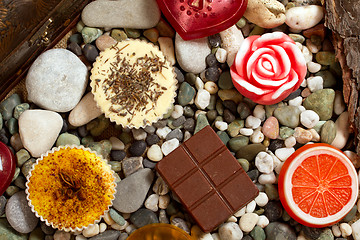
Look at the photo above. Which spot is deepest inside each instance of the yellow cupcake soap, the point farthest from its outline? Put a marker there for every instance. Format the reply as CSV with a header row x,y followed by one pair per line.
x,y
133,83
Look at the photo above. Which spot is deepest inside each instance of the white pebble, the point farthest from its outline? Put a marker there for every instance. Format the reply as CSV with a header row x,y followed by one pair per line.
x,y
211,87
257,136
116,144
164,201
169,146
299,45
259,112
250,207
339,104
221,55
313,67
267,178
154,153
284,153
222,126
139,134
336,230
230,231
163,132
178,111
252,122
102,227
309,118
248,221
307,54
315,83
345,229
304,17
202,99
232,219
262,199
151,202
91,230
246,131
263,221
61,235
199,84
290,142
301,108
264,162
278,167
296,101
312,47
241,212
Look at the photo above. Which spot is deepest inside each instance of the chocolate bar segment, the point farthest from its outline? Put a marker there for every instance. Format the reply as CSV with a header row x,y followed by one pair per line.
x,y
207,179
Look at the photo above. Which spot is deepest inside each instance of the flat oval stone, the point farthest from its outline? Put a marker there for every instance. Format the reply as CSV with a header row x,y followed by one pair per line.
x,y
138,14
7,167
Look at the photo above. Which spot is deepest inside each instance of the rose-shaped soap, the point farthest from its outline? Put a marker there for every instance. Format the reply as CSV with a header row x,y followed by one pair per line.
x,y
268,68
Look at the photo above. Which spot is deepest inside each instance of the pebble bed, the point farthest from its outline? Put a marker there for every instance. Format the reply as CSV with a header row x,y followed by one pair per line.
x,y
260,137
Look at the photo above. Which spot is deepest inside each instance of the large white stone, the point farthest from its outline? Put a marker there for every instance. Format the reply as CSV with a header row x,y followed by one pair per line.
x,y
56,80
139,14
39,130
304,17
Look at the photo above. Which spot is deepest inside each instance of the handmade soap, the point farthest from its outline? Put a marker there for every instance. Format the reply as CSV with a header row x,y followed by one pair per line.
x,y
7,167
207,179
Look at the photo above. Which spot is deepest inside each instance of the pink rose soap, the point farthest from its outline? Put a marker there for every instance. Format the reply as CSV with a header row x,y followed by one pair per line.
x,y
268,68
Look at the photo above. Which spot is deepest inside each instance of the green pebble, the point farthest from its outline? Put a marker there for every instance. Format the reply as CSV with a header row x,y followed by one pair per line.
x,y
90,34
67,139
8,233
234,127
288,116
328,132
26,167
271,191
37,234
244,164
218,118
258,233
92,124
236,143
223,136
315,39
241,23
297,38
225,81
20,182
103,123
212,103
259,211
95,146
326,235
126,137
201,122
12,125
321,102
257,31
79,26
133,33
118,35
286,132
115,165
22,156
19,109
190,78
8,105
290,5
186,94
172,209
211,115
16,174
269,109
328,78
219,107
87,140
11,190
325,58
250,151
117,217
76,38
244,110
318,126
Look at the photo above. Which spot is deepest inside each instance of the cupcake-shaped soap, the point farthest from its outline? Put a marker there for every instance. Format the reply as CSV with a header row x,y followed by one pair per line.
x,y
133,83
70,187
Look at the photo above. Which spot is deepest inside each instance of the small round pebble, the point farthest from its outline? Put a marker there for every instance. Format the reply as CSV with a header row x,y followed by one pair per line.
x,y
263,221
250,207
252,122
264,162
284,153
262,199
309,118
248,221
151,202
154,153
137,148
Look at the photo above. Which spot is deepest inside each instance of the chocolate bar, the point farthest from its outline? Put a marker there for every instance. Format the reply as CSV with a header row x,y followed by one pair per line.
x,y
207,179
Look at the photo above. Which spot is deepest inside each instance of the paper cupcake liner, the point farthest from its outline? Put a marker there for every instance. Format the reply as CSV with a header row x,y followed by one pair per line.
x,y
48,223
107,115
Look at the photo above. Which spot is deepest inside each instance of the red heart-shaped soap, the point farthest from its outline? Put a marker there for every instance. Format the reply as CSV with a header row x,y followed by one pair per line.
x,y
201,18
7,167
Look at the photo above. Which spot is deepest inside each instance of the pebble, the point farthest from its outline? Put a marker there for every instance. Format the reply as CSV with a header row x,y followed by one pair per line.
x,y
67,139
160,187
221,55
252,122
180,223
266,14
90,52
245,131
75,48
211,87
284,153
154,153
167,47
264,162
225,81
273,210
356,230
270,128
85,111
328,132
178,111
56,80
151,202
268,178
8,105
188,61
199,84
19,109
339,104
288,116
39,130
302,136
309,118
248,221
61,235
137,148
263,221
140,14
90,34
222,126
313,67
308,58
163,132
250,151
231,39
291,141
186,94
262,199
258,233
117,217
19,214
168,146
116,144
143,217
250,207
130,165
304,17
202,99
107,235
345,229
164,201
91,230
325,57
322,102
230,231
201,122
342,131
132,190
104,41
314,83
278,230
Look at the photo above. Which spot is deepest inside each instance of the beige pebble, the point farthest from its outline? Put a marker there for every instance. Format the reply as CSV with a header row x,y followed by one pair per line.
x,y
61,235
231,39
167,47
91,230
342,130
211,87
315,135
104,41
108,219
164,201
302,136
265,13
102,227
119,227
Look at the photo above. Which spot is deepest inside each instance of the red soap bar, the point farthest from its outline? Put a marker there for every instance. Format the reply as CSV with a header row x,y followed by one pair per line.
x,y
207,179
7,167
201,18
